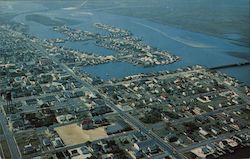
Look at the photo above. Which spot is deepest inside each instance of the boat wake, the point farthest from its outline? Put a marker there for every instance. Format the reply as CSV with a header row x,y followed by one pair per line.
x,y
75,8
184,41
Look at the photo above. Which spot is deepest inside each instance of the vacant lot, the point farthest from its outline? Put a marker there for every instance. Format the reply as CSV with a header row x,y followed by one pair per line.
x,y
73,134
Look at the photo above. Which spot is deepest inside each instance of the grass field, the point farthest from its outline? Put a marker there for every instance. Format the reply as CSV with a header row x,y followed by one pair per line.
x,y
73,134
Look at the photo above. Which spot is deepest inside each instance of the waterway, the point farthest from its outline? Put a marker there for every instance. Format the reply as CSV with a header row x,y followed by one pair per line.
x,y
193,48
88,46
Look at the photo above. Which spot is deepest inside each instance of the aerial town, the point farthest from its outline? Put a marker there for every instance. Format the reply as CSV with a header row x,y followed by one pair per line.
x,y
51,109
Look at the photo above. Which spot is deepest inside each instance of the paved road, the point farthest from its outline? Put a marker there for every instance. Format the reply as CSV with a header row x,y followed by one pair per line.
x,y
10,139
226,109
236,90
46,95
211,140
77,145
138,125
167,148
187,119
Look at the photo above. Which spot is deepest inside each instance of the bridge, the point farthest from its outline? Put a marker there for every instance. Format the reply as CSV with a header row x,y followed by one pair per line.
x,y
230,65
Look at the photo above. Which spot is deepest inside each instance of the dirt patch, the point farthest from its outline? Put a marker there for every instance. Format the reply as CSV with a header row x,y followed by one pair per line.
x,y
73,134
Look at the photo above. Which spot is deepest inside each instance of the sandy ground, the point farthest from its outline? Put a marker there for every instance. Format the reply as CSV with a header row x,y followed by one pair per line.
x,y
73,134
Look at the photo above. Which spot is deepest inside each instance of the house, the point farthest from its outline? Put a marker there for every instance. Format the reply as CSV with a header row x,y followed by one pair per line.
x,y
28,149
147,147
100,120
203,152
86,151
63,155
215,131
74,153
113,129
100,110
78,153
64,118
46,142
96,148
108,156
197,111
139,136
203,132
138,154
90,95
87,124
232,143
204,99
16,125
45,61
107,148
57,142
16,122
118,127
14,117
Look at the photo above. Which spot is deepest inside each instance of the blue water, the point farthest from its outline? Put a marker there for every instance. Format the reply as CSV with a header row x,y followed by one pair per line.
x,y
88,46
233,36
240,73
122,69
193,48
42,31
